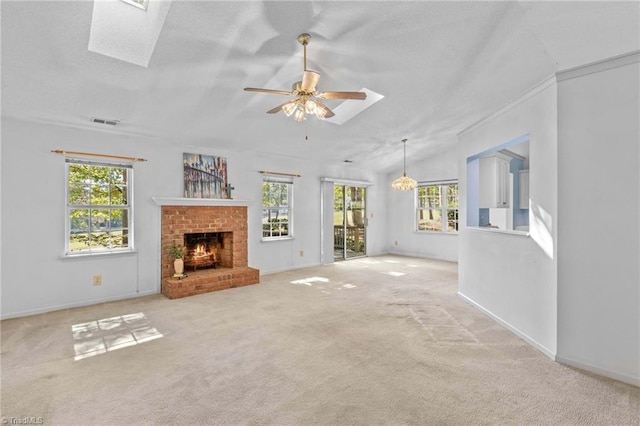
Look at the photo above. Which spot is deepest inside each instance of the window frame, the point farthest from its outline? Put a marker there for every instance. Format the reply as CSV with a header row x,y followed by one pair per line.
x,y
128,207
289,207
443,209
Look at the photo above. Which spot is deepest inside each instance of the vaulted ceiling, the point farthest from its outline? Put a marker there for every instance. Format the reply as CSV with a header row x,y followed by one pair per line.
x,y
441,66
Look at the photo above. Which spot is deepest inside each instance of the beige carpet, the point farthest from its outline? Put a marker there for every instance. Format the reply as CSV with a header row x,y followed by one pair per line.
x,y
380,340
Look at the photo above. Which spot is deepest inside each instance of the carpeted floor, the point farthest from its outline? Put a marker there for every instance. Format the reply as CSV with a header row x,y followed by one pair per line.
x,y
379,340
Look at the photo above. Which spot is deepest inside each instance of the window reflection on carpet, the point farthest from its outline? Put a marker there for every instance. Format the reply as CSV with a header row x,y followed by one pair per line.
x,y
109,334
310,281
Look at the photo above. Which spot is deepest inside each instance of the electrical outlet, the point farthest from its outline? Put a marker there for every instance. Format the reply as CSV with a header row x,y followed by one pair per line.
x,y
396,242
371,215
301,253
97,280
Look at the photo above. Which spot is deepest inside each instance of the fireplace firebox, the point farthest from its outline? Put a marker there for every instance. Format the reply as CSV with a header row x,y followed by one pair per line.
x,y
208,250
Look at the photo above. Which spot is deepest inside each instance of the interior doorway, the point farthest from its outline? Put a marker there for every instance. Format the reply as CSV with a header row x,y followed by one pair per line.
x,y
349,222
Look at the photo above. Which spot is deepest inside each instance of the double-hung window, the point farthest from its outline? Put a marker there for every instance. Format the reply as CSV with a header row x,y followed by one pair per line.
x,y
277,207
437,207
99,207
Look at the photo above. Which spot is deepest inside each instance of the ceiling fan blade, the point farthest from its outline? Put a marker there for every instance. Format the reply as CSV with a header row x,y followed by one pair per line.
x,y
279,107
327,112
309,81
342,95
273,92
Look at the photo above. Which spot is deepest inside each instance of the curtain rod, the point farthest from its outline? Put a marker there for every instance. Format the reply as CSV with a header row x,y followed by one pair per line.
x,y
264,172
90,154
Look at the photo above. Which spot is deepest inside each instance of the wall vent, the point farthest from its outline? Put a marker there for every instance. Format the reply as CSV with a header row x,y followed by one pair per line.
x,y
105,122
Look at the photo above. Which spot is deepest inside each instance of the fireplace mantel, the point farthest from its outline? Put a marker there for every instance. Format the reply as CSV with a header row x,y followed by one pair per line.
x,y
177,201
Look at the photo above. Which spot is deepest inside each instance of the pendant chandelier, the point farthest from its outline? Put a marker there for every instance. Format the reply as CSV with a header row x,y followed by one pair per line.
x,y
404,183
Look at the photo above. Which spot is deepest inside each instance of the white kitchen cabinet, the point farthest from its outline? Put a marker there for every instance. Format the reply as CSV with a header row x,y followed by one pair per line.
x,y
495,189
524,189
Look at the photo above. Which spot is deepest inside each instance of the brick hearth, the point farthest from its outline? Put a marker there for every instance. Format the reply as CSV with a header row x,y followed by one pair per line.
x,y
179,220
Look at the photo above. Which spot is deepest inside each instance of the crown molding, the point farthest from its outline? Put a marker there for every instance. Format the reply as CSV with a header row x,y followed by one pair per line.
x,y
599,66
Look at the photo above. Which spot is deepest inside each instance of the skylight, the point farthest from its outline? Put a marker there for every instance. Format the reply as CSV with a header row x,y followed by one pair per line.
x,y
348,109
119,32
142,4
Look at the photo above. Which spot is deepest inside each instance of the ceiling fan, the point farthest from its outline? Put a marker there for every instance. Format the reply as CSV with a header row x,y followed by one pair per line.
x,y
307,99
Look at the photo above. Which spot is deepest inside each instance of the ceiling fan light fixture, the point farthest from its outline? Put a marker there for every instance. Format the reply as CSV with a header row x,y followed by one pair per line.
x,y
310,107
404,182
299,115
289,108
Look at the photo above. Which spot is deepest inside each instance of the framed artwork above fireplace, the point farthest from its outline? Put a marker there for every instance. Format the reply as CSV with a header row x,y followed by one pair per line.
x,y
205,176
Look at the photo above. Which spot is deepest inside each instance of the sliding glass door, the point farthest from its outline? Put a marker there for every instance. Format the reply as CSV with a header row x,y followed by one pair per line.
x,y
349,222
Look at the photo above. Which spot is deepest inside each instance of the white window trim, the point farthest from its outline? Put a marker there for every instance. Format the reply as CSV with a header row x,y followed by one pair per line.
x,y
290,207
67,228
444,209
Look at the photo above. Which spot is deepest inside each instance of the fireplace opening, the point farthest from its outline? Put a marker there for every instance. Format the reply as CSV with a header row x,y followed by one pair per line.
x,y
208,250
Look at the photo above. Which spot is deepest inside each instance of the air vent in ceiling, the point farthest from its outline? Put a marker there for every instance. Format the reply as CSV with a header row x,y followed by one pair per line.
x,y
105,122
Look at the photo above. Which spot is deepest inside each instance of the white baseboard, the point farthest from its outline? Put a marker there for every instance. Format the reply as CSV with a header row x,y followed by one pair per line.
x,y
88,302
511,328
634,381
291,268
310,265
422,256
376,253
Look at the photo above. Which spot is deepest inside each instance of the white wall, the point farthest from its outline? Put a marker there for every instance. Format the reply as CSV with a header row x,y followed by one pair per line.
x,y
378,217
34,277
599,220
401,210
514,277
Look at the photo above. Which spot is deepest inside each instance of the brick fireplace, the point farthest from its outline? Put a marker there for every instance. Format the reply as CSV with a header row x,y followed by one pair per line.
x,y
222,230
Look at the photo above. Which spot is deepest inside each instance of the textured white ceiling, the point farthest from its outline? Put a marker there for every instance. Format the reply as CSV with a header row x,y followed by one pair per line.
x,y
440,65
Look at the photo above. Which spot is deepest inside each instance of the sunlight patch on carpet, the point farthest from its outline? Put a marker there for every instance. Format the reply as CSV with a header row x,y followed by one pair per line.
x,y
310,281
369,261
109,334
